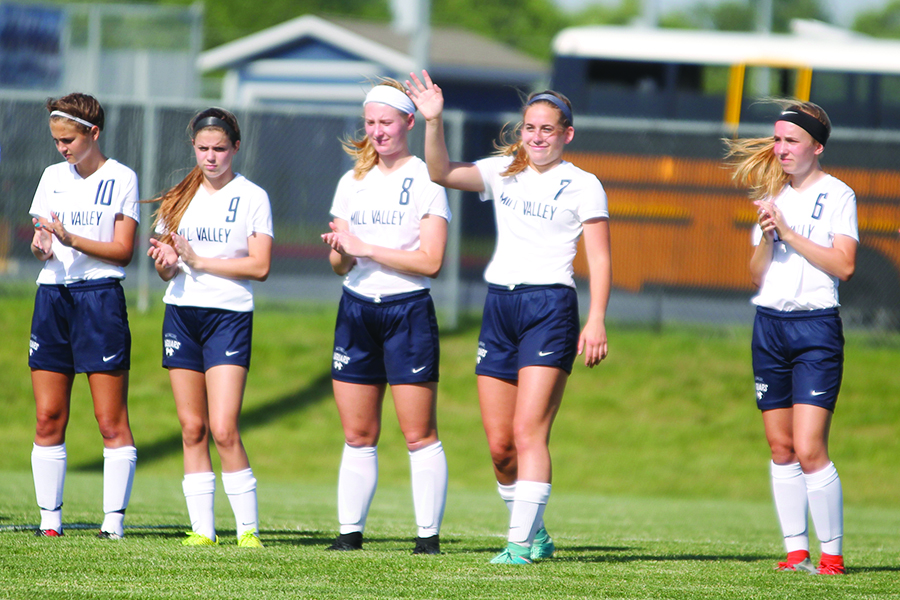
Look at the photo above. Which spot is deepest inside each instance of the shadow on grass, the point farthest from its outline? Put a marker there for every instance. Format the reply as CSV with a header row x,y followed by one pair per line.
x,y
320,389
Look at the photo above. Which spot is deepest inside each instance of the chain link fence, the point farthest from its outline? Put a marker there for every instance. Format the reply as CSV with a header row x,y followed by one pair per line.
x,y
680,230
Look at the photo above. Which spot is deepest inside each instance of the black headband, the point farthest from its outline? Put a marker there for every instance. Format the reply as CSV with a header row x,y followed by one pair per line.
x,y
566,111
807,122
216,122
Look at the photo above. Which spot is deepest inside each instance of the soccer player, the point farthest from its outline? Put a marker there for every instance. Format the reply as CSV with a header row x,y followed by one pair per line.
x,y
85,214
530,329
215,231
805,244
387,239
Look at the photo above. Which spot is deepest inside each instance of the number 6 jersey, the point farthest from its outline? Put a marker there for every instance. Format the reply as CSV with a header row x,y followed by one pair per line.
x,y
87,208
386,210
826,209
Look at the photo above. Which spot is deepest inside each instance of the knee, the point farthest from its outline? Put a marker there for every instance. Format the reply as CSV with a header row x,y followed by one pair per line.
x,y
112,428
226,435
417,439
503,453
365,437
194,432
50,425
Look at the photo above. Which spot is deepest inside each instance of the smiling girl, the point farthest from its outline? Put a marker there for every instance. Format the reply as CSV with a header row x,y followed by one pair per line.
x,y
530,328
805,244
387,239
85,213
215,236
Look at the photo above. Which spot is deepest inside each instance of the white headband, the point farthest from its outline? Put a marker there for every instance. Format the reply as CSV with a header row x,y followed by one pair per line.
x,y
391,96
59,113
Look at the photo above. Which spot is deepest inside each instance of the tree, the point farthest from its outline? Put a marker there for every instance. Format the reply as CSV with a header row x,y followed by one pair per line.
x,y
528,25
882,23
740,15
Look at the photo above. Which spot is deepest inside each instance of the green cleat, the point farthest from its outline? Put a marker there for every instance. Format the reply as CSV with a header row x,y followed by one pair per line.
x,y
249,539
196,539
513,555
543,546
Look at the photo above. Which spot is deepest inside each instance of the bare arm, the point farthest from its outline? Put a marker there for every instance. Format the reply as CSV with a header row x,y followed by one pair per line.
x,y
254,266
117,252
592,342
165,259
341,262
427,260
838,261
429,99
761,258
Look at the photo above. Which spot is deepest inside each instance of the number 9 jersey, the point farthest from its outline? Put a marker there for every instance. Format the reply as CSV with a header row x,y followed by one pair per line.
x,y
87,208
217,226
386,210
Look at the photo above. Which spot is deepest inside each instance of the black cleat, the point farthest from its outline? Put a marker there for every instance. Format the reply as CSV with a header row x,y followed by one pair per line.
x,y
429,545
347,541
109,535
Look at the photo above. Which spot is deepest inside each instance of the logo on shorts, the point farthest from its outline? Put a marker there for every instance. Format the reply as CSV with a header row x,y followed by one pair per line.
x,y
340,359
482,352
109,358
171,344
542,353
32,346
231,352
761,388
816,393
419,369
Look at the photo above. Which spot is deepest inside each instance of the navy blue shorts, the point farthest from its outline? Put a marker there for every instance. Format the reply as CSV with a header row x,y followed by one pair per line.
x,y
798,357
80,328
529,325
199,338
394,340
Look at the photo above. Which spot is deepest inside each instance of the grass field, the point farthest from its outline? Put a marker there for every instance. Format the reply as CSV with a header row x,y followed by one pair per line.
x,y
660,479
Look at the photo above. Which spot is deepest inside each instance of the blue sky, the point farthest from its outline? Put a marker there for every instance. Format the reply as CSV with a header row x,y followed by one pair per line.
x,y
843,11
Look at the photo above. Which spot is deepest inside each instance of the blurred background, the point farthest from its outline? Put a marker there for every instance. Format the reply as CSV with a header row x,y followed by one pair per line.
x,y
656,86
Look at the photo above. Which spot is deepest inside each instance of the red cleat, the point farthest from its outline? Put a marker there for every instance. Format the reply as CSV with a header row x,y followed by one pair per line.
x,y
831,564
798,560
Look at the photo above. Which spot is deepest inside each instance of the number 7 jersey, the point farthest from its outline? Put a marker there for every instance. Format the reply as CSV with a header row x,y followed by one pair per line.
x,y
87,208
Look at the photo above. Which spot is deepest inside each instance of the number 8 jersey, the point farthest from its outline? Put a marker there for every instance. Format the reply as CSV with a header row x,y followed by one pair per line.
x,y
217,226
386,210
87,208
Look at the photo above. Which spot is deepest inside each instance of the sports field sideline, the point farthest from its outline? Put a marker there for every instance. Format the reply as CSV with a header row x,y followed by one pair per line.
x,y
660,479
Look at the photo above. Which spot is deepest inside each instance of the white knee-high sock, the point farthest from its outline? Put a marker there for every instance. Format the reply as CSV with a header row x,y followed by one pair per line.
x,y
428,470
240,487
357,480
528,511
48,468
826,505
118,477
507,494
200,494
789,492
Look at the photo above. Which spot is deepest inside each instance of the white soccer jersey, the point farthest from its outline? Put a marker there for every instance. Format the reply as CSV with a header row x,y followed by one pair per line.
x,y
87,208
826,209
217,226
387,210
539,220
